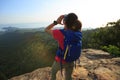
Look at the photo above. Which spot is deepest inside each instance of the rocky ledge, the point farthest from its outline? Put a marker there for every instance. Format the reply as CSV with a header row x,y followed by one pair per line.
x,y
93,65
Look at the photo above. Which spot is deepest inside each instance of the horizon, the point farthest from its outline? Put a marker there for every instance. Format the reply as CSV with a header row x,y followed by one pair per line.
x,y
30,26
92,13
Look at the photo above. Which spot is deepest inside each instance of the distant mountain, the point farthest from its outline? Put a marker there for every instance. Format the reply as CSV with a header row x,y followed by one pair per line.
x,y
1,30
10,29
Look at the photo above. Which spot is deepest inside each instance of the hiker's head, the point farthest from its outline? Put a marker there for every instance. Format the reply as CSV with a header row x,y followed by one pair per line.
x,y
71,22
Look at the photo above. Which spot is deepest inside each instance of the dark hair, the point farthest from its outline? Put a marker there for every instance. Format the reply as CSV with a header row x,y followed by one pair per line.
x,y
72,22
76,26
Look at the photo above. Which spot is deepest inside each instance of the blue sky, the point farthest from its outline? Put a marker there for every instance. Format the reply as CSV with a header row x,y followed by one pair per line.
x,y
92,13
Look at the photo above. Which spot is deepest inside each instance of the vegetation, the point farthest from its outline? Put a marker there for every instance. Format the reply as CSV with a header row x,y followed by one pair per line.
x,y
113,50
22,52
108,36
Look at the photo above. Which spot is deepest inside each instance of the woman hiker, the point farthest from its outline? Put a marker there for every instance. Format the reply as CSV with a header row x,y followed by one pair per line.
x,y
71,30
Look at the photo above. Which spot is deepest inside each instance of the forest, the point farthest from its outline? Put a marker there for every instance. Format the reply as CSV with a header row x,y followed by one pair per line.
x,y
23,51
106,38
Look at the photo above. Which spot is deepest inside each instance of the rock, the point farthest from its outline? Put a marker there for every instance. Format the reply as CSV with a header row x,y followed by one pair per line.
x,y
105,74
93,65
39,74
80,73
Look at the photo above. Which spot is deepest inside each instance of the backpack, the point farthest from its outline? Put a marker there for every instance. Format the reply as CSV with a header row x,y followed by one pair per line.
x,y
72,45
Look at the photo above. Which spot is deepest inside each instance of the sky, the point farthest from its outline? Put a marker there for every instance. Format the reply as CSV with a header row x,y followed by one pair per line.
x,y
92,13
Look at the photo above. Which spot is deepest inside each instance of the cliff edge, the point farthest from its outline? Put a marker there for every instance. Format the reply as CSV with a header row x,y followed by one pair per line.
x,y
93,65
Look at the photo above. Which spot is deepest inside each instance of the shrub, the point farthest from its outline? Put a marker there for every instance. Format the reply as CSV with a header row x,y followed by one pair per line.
x,y
113,50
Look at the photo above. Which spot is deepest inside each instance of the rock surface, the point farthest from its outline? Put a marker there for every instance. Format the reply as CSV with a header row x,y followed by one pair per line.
x,y
94,65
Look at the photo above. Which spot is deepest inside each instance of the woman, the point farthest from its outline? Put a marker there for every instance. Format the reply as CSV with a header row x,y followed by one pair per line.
x,y
70,22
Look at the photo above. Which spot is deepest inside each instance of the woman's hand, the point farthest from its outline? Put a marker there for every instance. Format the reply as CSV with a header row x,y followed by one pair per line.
x,y
48,29
60,18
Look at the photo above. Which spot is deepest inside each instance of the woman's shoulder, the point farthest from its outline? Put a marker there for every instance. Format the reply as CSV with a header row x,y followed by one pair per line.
x,y
57,34
57,31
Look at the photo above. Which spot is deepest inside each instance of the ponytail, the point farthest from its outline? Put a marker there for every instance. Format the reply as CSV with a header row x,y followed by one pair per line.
x,y
76,26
